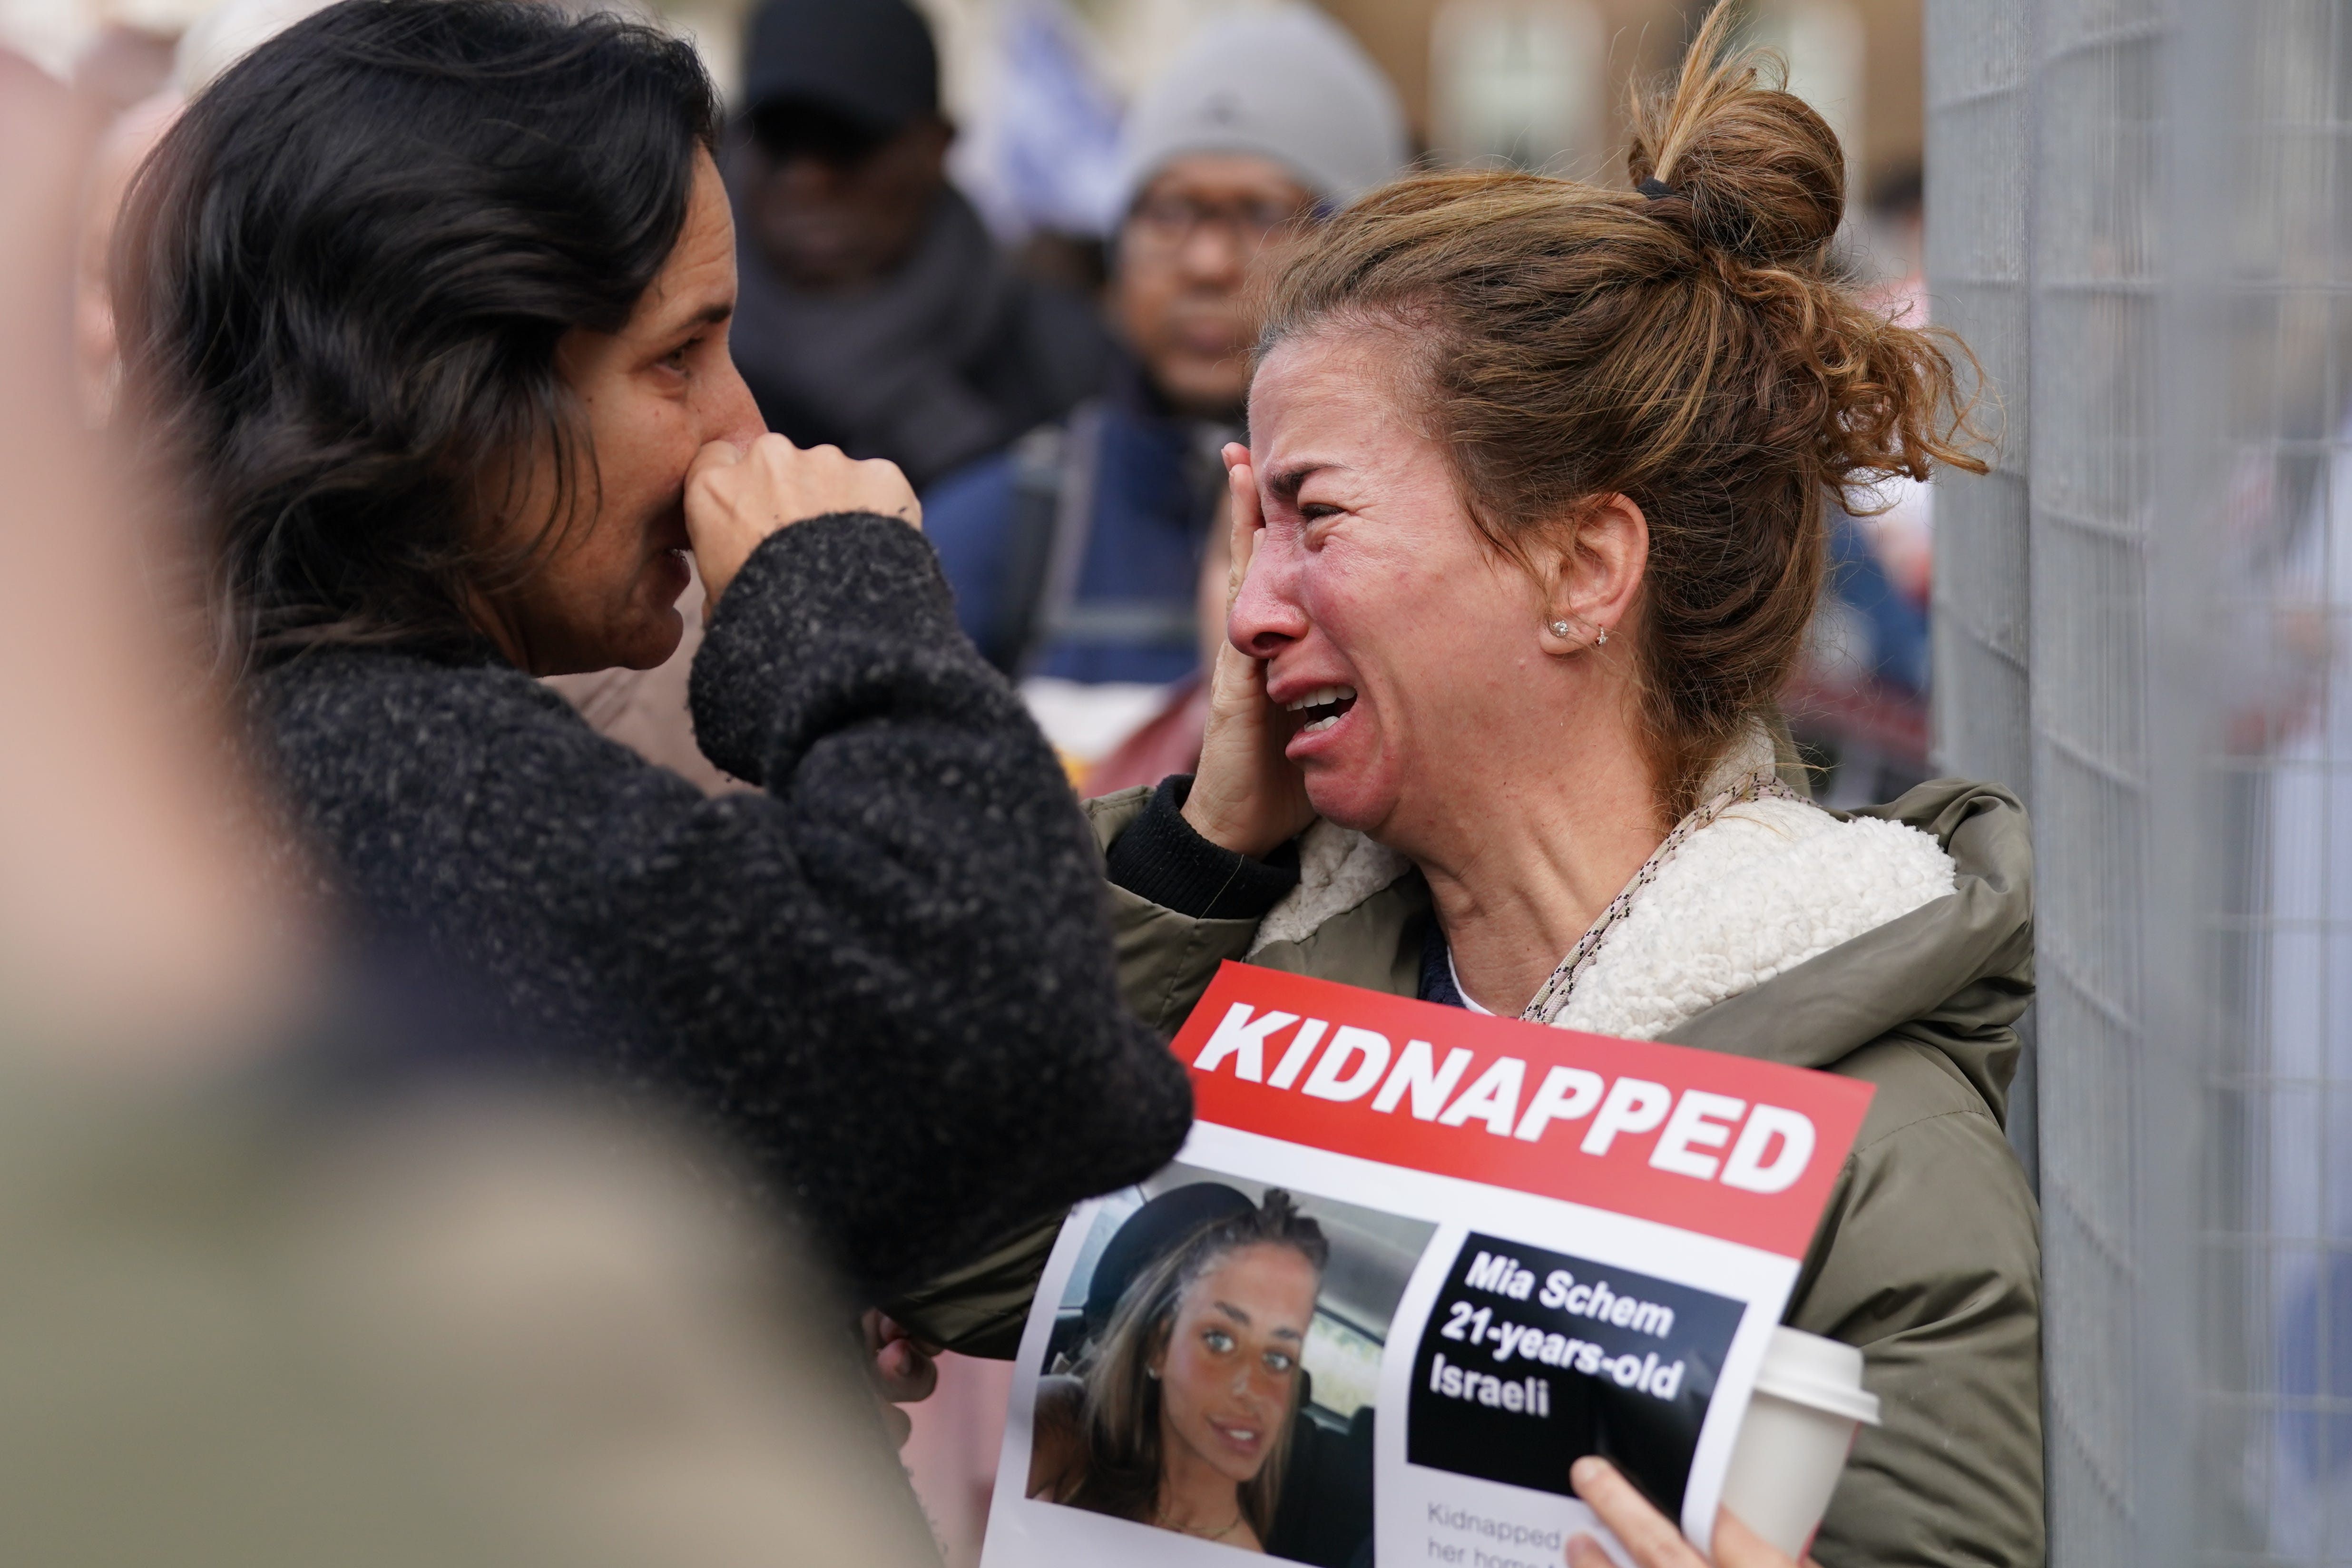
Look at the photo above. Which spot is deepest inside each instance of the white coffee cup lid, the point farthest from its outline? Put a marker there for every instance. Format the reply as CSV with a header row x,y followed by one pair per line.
x,y
1820,1373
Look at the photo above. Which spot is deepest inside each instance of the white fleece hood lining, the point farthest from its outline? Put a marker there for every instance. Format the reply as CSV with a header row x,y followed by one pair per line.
x,y
1765,886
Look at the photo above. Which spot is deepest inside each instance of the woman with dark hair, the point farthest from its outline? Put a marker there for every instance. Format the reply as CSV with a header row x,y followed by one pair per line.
x,y
428,301
1179,1416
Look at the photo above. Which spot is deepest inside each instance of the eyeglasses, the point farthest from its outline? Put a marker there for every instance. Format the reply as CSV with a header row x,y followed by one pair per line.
x,y
1168,223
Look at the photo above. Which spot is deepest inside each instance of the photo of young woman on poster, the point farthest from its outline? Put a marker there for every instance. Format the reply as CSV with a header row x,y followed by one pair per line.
x,y
1180,1414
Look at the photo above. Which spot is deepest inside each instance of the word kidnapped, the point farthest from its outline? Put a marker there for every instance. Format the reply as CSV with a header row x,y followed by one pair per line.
x,y
1767,1146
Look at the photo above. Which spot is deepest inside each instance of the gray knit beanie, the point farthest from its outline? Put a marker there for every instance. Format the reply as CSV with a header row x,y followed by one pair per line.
x,y
1287,83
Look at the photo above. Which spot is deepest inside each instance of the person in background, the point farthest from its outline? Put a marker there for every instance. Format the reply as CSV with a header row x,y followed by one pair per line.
x,y
878,315
1858,703
1075,555
1901,539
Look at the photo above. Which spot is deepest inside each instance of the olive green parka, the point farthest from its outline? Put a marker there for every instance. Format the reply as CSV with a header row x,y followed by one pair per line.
x,y
1928,1257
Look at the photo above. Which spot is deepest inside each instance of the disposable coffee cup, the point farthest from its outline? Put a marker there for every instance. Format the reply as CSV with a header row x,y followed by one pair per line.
x,y
1809,1405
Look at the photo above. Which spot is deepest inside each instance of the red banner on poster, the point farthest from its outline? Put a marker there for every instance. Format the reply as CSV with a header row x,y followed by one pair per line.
x,y
1730,1147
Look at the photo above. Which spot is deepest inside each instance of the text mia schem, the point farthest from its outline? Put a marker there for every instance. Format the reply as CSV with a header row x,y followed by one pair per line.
x,y
1479,1327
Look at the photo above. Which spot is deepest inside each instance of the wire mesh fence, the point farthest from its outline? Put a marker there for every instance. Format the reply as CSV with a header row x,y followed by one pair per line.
x,y
2140,216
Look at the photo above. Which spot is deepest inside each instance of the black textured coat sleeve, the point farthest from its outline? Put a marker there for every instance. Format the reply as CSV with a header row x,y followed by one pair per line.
x,y
887,974
923,911
1161,859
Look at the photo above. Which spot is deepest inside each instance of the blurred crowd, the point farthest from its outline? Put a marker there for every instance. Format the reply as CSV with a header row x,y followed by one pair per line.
x,y
1055,357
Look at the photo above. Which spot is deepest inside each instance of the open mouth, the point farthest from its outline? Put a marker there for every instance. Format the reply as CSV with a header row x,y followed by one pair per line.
x,y
1323,707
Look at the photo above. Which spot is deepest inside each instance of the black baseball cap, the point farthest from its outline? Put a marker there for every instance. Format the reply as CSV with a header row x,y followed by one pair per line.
x,y
868,61
1151,1232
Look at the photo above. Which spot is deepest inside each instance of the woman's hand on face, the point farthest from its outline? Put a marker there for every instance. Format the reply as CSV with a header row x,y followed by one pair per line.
x,y
1651,1538
1246,796
735,497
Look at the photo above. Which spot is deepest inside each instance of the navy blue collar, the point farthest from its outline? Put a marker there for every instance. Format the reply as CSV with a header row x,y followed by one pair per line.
x,y
1438,968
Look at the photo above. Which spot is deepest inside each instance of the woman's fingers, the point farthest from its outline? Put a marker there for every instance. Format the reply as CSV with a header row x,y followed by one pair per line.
x,y
722,536
792,484
907,1375
902,1366
1246,795
1737,1546
1242,543
905,1364
1583,1551
735,497
1649,1537
877,485
1653,1539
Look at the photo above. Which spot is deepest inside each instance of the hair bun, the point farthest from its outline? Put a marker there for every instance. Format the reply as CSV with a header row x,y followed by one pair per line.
x,y
1763,172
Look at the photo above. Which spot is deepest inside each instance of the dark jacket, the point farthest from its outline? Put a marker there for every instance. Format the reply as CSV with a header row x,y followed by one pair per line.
x,y
1076,553
885,975
1929,1257
952,357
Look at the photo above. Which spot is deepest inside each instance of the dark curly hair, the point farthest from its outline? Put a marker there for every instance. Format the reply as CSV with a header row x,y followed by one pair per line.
x,y
342,279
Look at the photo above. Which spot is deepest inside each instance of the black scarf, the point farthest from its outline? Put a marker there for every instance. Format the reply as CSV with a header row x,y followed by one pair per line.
x,y
887,370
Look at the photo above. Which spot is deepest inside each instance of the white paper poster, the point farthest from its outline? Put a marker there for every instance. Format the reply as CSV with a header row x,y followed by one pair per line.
x,y
1413,1263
